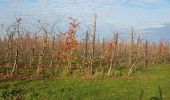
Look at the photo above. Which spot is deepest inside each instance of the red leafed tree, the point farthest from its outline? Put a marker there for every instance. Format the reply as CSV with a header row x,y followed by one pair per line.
x,y
71,44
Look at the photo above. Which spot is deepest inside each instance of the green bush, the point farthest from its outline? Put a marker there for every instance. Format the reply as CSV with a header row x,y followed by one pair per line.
x,y
138,69
11,93
64,72
117,73
99,73
77,72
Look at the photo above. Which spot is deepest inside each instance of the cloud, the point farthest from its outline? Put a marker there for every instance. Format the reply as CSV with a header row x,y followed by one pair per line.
x,y
145,4
161,31
146,1
112,15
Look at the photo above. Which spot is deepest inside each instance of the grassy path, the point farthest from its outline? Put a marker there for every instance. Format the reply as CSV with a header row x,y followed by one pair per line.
x,y
92,88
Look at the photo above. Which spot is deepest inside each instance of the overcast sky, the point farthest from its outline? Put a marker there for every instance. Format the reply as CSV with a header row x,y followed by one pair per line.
x,y
150,18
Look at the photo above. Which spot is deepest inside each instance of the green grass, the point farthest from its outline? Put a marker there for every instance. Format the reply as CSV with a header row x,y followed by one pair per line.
x,y
128,88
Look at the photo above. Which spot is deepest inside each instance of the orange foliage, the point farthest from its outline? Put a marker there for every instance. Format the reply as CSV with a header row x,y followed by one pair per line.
x,y
70,42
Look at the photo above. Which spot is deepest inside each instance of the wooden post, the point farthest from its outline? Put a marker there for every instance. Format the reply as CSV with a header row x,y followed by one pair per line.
x,y
102,53
132,55
93,45
85,59
131,49
94,36
146,54
53,52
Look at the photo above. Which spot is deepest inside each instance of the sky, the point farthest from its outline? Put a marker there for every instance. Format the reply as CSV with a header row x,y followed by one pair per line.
x,y
150,18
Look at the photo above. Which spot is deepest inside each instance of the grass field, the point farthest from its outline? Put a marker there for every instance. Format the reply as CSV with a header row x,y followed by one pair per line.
x,y
153,82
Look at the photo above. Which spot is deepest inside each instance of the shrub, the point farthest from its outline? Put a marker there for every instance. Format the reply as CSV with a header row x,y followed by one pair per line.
x,y
77,72
99,73
64,73
12,93
117,73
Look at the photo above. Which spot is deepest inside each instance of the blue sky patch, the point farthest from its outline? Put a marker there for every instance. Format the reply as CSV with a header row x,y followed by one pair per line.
x,y
112,15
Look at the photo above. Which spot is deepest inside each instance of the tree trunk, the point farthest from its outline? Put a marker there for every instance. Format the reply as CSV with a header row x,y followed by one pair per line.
x,y
113,57
18,47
